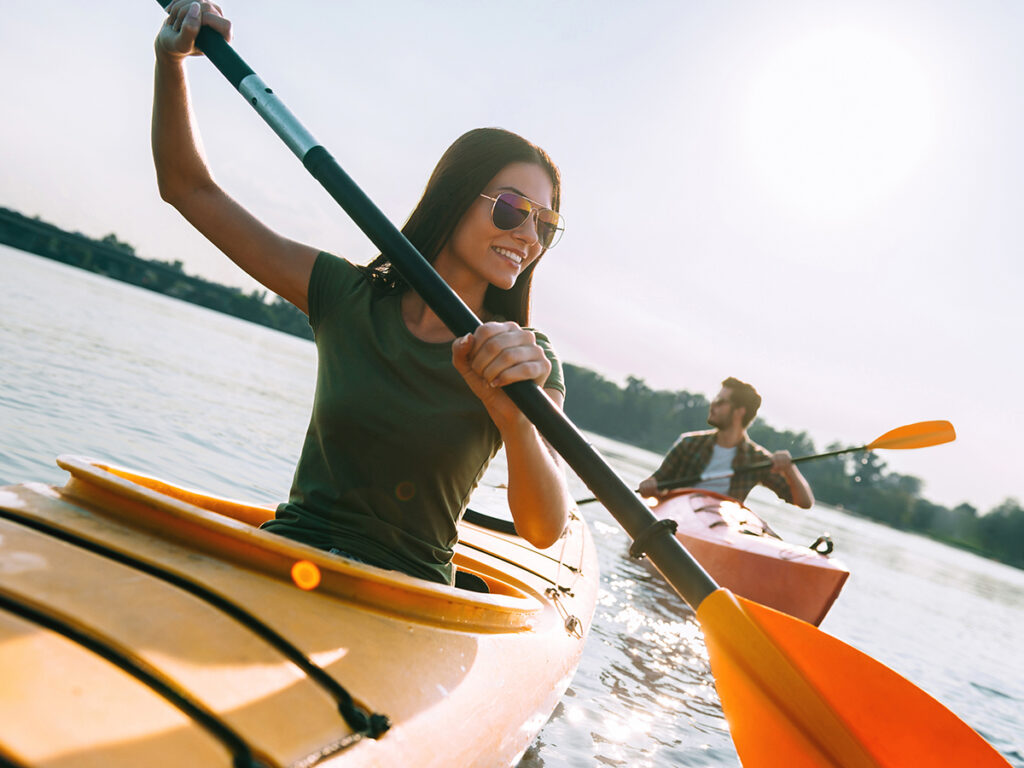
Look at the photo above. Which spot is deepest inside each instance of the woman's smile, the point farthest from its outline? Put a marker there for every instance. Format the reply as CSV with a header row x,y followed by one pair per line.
x,y
516,257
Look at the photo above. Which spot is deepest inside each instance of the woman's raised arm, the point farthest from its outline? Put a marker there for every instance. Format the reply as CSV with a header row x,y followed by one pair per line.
x,y
184,178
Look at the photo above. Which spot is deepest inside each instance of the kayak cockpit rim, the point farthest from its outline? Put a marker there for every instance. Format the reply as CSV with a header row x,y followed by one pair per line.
x,y
228,529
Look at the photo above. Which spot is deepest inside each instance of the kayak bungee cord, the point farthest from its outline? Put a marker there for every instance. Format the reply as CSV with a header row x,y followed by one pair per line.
x,y
362,722
39,614
791,693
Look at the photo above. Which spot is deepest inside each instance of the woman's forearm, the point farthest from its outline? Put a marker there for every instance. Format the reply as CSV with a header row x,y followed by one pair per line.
x,y
538,495
177,149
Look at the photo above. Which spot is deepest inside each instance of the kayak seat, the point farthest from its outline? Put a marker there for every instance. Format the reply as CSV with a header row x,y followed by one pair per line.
x,y
470,581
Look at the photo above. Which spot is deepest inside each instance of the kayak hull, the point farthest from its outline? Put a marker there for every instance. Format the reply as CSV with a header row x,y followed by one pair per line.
x,y
141,624
736,549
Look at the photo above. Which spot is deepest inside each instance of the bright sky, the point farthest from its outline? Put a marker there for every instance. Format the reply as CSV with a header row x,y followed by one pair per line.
x,y
824,199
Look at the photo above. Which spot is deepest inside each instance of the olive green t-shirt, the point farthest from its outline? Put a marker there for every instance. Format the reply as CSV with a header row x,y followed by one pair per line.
x,y
397,441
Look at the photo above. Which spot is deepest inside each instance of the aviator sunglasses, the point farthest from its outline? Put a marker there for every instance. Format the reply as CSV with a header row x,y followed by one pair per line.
x,y
511,210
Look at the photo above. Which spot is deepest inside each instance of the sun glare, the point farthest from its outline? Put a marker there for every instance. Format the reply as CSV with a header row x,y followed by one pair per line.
x,y
837,121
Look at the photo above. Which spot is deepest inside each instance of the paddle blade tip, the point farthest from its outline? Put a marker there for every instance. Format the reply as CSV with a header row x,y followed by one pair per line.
x,y
922,434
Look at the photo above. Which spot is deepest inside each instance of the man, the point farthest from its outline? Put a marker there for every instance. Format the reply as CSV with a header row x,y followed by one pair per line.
x,y
727,449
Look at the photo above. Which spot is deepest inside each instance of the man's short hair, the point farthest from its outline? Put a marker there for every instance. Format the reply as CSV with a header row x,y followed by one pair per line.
x,y
742,395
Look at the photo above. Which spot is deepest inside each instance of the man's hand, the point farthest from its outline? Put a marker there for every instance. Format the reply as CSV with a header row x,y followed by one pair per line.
x,y
782,463
649,488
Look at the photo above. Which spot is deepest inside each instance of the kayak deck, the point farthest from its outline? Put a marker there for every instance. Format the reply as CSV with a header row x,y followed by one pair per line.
x,y
741,553
141,624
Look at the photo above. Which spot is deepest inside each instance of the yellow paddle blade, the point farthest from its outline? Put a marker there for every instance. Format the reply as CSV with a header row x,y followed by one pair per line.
x,y
920,435
795,696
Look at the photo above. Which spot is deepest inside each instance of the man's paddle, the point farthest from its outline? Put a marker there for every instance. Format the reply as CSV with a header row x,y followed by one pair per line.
x,y
921,434
775,674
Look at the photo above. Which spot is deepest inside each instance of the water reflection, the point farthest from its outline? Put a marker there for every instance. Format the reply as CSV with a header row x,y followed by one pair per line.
x,y
644,694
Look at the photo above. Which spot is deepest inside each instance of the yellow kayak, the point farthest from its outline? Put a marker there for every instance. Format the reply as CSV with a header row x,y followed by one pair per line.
x,y
142,624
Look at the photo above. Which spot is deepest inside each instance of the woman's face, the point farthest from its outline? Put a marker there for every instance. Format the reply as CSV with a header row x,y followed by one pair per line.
x,y
478,250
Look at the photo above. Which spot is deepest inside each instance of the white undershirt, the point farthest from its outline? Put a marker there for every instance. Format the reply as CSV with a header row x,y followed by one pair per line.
x,y
720,464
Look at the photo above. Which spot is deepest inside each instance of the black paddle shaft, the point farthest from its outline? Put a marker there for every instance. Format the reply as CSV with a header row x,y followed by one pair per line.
x,y
653,539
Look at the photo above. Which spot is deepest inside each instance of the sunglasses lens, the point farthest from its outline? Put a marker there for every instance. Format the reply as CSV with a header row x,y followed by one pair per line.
x,y
510,211
550,226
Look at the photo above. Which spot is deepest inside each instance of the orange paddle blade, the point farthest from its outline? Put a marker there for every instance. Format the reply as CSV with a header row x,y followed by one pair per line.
x,y
796,696
920,435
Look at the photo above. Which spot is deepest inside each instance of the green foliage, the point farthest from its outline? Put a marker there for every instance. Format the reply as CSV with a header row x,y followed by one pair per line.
x,y
111,257
860,482
1001,532
112,241
797,443
637,414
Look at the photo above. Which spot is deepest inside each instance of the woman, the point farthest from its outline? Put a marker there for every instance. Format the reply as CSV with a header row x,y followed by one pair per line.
x,y
397,440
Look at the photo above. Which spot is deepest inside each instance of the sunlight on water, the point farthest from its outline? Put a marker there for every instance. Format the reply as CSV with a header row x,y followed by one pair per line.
x,y
214,403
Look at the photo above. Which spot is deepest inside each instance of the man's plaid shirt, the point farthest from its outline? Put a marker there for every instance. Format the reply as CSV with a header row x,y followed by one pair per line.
x,y
692,452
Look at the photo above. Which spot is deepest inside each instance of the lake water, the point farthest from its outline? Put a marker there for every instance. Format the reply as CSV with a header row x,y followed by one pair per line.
x,y
95,367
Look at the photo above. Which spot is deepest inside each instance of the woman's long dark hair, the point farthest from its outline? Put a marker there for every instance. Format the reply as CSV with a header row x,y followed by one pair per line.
x,y
460,176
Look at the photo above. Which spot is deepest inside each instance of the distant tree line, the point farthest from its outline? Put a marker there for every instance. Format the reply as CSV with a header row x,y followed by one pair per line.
x,y
858,482
113,258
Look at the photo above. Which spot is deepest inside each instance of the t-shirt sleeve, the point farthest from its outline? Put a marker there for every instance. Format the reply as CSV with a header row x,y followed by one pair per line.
x,y
556,379
331,281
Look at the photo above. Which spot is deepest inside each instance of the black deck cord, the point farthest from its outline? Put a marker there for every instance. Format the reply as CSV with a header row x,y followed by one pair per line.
x,y
491,523
242,753
510,561
372,725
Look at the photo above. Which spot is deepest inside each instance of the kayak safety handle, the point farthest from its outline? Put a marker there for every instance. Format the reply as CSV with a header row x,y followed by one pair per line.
x,y
639,546
823,545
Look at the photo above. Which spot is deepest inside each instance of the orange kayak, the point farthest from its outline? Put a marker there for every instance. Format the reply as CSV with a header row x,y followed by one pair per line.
x,y
143,624
741,553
